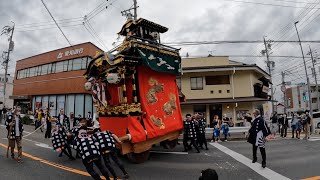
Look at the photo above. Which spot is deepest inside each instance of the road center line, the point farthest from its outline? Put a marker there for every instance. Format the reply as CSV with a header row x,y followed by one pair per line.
x,y
53,164
267,173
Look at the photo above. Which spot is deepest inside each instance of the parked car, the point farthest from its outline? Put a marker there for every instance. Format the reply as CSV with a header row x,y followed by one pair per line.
x,y
316,119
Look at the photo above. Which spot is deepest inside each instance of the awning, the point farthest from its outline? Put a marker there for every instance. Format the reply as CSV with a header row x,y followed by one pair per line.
x,y
20,97
222,100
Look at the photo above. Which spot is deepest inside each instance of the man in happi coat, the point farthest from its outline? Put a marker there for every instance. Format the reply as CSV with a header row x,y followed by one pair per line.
x,y
257,136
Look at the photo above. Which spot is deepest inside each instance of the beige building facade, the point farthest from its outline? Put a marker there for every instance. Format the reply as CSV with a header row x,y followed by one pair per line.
x,y
217,86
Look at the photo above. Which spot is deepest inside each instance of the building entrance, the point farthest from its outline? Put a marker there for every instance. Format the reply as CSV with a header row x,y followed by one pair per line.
x,y
215,109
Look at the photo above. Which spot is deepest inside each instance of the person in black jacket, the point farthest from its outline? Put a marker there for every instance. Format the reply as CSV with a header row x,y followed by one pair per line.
x,y
284,125
15,130
189,133
257,137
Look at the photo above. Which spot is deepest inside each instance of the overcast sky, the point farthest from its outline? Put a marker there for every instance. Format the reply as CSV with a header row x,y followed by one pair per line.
x,y
187,20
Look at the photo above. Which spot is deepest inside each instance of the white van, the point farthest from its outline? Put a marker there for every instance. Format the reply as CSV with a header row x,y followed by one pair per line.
x,y
316,119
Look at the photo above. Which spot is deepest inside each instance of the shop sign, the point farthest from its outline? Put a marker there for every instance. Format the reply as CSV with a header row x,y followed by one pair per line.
x,y
70,53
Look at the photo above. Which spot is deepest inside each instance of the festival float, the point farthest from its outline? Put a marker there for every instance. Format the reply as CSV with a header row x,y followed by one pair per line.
x,y
134,90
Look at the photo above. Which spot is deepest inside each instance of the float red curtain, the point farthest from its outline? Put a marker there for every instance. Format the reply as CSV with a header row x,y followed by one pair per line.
x,y
160,100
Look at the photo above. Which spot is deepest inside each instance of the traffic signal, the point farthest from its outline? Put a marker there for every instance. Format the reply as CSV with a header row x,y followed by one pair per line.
x,y
304,97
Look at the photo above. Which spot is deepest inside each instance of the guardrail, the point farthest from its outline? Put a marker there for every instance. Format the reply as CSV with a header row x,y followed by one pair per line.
x,y
231,130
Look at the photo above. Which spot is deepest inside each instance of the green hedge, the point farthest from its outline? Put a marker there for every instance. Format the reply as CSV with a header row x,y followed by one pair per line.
x,y
26,120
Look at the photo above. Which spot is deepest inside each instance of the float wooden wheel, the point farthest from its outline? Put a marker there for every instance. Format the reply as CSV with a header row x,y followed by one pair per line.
x,y
139,157
172,144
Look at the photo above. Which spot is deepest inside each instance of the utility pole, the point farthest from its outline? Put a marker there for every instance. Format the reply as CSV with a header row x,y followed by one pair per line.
x,y
314,73
7,30
135,16
269,63
308,81
283,89
128,13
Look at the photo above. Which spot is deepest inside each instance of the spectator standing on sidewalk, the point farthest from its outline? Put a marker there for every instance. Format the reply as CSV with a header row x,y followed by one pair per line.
x,y
299,127
284,126
48,128
307,125
274,124
294,123
216,129
15,129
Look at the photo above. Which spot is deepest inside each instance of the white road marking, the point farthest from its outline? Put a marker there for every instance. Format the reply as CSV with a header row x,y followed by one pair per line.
x,y
267,173
44,145
164,152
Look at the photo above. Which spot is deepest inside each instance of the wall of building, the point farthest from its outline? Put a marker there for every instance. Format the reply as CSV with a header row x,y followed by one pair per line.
x,y
205,61
9,89
58,55
243,87
206,92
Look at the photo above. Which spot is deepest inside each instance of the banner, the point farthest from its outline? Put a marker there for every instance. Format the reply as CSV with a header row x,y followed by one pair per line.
x,y
267,111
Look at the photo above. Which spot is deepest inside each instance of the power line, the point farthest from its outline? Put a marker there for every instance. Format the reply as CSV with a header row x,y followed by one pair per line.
x,y
72,25
50,22
268,4
56,23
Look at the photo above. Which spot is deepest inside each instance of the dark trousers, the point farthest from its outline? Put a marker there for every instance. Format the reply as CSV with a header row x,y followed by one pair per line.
x,y
202,140
113,155
48,131
262,151
92,172
193,142
293,128
284,130
67,151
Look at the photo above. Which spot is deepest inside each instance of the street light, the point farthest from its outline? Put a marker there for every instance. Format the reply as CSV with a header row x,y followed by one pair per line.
x,y
305,68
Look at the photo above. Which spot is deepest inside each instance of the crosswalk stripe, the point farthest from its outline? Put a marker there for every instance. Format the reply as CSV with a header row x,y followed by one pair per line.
x,y
266,172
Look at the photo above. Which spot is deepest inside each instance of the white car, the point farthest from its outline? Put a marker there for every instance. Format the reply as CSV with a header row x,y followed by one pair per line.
x,y
316,119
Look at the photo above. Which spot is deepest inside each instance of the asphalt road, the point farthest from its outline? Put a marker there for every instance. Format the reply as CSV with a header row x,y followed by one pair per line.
x,y
293,159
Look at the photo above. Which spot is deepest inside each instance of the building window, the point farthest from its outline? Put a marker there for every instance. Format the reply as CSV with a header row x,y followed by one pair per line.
x,y
44,69
59,67
84,63
217,80
49,68
38,71
314,100
53,68
65,66
196,83
89,60
88,103
178,80
27,72
32,72
228,91
220,91
76,64
53,105
70,65
70,104
79,101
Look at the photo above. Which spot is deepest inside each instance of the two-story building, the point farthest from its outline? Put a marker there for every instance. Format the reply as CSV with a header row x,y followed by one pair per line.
x,y
297,98
55,80
217,86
